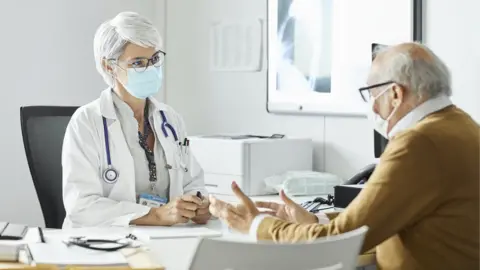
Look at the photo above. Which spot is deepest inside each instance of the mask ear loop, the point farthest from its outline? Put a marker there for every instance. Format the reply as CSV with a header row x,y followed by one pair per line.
x,y
113,65
109,69
396,105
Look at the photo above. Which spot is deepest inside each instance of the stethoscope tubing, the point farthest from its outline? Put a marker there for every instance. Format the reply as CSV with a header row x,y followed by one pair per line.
x,y
88,244
165,126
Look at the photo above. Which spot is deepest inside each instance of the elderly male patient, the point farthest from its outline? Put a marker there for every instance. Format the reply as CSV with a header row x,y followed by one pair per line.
x,y
421,204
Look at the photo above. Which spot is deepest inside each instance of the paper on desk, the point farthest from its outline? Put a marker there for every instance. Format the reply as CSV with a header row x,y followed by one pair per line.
x,y
57,253
176,231
9,249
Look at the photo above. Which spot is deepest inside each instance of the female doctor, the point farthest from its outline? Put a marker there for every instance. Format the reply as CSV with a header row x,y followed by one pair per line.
x,y
125,155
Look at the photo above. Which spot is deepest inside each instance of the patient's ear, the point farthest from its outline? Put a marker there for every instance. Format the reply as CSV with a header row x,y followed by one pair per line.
x,y
398,94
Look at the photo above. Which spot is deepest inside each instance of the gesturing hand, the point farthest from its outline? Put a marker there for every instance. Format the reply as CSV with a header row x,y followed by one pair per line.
x,y
238,217
289,211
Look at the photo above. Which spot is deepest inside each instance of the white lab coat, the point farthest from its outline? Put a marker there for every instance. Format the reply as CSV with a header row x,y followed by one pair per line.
x,y
88,199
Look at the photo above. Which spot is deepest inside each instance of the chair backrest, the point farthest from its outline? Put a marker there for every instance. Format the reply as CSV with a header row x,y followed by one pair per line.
x,y
43,130
331,253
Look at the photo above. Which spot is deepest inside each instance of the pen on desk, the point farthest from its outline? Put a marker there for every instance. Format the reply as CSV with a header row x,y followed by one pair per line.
x,y
40,233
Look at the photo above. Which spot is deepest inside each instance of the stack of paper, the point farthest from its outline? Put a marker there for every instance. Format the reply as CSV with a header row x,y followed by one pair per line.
x,y
9,249
59,254
177,231
56,252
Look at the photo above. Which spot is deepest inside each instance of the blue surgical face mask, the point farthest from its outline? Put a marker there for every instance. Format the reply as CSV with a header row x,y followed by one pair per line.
x,y
145,84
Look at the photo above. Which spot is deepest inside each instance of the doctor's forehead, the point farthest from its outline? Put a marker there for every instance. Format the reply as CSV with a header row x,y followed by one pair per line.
x,y
133,51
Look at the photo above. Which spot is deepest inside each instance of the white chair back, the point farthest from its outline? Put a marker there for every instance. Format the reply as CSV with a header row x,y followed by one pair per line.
x,y
337,252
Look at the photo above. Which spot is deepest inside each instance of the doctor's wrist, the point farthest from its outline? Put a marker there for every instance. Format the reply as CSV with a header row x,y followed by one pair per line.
x,y
148,219
156,216
161,216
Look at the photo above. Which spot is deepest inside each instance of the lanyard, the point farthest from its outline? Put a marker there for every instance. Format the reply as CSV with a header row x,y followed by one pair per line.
x,y
149,154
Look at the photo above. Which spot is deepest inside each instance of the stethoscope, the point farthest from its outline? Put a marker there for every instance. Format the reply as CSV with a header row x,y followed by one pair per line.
x,y
97,244
110,174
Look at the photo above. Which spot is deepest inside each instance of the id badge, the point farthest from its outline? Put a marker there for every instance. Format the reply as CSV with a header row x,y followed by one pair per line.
x,y
151,200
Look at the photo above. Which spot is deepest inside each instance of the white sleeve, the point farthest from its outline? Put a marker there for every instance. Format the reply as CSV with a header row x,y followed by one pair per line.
x,y
193,180
322,218
83,198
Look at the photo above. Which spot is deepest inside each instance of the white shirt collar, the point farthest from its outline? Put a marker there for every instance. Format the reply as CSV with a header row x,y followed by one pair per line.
x,y
428,107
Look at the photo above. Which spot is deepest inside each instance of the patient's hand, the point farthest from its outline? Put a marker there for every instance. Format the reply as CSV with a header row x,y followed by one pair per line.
x,y
289,211
239,217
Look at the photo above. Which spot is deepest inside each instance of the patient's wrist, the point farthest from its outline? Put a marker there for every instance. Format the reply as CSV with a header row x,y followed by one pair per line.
x,y
322,218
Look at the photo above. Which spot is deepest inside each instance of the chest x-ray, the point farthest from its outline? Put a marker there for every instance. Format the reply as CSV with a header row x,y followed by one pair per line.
x,y
304,45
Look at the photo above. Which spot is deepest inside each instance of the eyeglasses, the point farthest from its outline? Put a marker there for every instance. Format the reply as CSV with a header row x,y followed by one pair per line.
x,y
140,64
365,91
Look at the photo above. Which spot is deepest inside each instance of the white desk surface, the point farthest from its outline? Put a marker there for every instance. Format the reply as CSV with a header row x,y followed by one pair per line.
x,y
274,198
175,254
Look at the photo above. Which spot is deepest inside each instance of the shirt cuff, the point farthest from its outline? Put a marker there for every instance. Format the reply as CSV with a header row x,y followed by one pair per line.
x,y
322,218
138,212
255,224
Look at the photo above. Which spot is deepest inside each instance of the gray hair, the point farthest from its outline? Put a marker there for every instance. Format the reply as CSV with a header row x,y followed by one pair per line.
x,y
113,35
426,77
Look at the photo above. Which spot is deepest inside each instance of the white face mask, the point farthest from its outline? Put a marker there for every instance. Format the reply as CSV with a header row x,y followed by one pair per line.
x,y
380,124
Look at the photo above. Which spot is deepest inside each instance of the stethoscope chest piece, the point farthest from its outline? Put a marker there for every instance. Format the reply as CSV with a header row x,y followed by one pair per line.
x,y
110,175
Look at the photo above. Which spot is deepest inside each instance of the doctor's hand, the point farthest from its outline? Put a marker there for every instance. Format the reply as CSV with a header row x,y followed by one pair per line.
x,y
203,213
239,217
289,211
179,210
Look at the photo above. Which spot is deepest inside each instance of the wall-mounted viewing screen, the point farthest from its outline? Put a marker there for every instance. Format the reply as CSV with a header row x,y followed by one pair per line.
x,y
319,51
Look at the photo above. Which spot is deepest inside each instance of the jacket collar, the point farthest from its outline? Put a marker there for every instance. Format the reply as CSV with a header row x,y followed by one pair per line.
x,y
107,108
423,110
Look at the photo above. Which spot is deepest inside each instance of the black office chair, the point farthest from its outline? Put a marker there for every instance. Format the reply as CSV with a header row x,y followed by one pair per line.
x,y
43,129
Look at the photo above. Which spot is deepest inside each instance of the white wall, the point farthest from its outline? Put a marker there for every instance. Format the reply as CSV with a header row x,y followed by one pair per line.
x,y
235,102
46,59
453,32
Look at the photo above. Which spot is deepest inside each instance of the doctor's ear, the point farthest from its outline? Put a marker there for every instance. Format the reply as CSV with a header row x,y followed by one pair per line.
x,y
108,66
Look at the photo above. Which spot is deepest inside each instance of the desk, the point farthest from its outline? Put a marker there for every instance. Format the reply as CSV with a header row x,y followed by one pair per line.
x,y
175,254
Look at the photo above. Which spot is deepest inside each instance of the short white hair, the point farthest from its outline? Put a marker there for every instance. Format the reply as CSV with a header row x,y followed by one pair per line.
x,y
426,78
113,35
